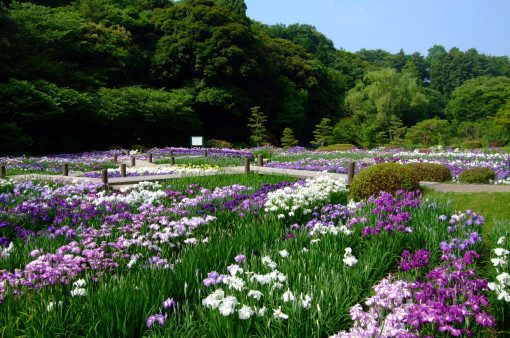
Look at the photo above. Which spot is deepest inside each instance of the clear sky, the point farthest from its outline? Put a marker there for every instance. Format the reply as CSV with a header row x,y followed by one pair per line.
x,y
414,25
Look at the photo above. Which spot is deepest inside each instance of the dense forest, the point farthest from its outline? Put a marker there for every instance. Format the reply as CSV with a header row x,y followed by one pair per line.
x,y
90,74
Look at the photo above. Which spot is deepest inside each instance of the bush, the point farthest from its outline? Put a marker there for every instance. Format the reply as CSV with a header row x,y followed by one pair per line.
x,y
431,172
477,175
138,147
214,143
389,177
337,147
471,144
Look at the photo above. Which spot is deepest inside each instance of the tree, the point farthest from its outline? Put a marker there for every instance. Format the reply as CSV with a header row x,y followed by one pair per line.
x,y
236,6
478,98
323,133
45,117
427,132
502,117
385,92
258,130
155,115
203,40
288,139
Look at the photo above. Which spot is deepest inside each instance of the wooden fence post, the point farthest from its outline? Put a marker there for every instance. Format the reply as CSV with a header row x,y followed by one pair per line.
x,y
171,153
172,160
104,177
65,169
246,165
260,161
123,170
2,171
115,158
350,173
205,152
133,161
150,158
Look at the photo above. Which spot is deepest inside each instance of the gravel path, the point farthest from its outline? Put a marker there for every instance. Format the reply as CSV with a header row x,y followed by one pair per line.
x,y
117,183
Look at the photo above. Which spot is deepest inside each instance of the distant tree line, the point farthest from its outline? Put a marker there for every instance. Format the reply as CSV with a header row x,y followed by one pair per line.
x,y
85,74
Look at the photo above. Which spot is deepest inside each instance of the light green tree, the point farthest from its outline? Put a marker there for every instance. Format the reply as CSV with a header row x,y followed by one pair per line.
x,y
288,139
258,130
427,132
323,133
478,98
502,117
386,93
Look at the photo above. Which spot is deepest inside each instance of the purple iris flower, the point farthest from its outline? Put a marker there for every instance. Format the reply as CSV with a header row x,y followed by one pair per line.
x,y
240,259
160,318
169,303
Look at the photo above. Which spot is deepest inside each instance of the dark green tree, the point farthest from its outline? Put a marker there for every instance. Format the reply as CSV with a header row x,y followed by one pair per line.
x,y
428,132
46,117
478,98
502,117
288,139
258,130
323,133
154,115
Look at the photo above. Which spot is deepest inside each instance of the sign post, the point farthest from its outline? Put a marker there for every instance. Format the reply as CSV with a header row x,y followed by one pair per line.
x,y
197,141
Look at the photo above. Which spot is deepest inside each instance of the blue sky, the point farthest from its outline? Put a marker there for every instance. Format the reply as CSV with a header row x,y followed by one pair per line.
x,y
414,25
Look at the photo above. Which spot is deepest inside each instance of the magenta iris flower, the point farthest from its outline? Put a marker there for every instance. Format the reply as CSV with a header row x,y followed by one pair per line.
x,y
169,303
160,318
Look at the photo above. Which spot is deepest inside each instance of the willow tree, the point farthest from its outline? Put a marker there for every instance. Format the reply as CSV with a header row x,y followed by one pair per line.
x,y
387,93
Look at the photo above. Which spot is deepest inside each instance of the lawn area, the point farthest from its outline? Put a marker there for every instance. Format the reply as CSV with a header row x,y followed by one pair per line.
x,y
493,206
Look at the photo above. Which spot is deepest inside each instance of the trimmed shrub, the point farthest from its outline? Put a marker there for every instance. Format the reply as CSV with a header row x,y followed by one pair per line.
x,y
431,172
389,177
477,175
337,147
471,144
214,143
138,147
288,139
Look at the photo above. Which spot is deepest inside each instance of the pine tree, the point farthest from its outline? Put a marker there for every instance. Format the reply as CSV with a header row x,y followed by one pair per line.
x,y
258,130
288,139
323,133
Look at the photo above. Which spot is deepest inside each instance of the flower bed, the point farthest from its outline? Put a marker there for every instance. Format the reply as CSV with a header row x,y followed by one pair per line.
x,y
337,162
245,255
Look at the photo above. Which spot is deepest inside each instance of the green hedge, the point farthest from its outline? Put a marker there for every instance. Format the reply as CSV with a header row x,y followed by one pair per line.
x,y
477,175
389,177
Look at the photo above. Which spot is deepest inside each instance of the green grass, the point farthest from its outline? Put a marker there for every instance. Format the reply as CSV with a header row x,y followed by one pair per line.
x,y
505,149
493,206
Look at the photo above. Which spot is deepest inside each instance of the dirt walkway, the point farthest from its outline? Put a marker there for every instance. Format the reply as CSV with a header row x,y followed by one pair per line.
x,y
121,182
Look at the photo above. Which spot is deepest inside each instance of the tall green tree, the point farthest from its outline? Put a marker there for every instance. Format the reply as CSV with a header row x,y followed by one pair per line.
x,y
386,93
237,6
323,133
502,117
258,129
40,117
154,115
478,98
203,40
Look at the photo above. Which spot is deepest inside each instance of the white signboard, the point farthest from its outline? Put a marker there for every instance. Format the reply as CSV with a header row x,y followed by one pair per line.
x,y
197,141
